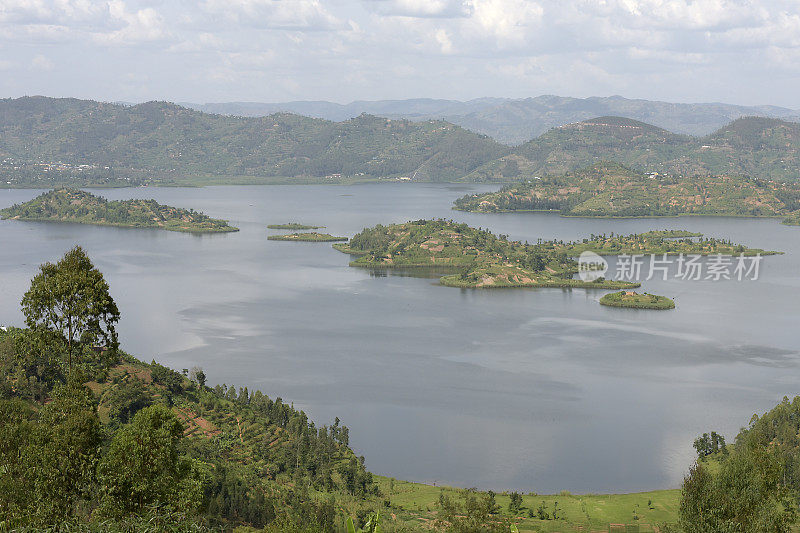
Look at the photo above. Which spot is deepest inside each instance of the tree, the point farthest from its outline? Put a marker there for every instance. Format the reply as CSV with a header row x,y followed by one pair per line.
x,y
64,451
143,467
745,495
72,298
198,376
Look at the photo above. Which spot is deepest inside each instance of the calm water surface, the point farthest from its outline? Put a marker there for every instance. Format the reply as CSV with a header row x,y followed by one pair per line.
x,y
511,389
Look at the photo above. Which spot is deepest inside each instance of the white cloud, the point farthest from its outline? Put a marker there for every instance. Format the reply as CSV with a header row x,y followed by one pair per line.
x,y
421,8
40,62
306,15
388,48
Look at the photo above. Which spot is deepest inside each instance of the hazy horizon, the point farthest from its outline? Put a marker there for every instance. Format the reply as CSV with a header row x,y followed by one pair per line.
x,y
733,51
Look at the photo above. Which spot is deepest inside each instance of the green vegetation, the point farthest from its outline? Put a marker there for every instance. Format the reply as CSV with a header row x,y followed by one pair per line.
x,y
81,207
634,300
611,190
476,258
293,226
307,237
752,485
670,242
162,143
761,148
48,142
108,443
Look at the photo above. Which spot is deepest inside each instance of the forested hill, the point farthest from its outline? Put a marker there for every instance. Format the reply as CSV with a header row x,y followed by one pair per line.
x,y
171,142
754,147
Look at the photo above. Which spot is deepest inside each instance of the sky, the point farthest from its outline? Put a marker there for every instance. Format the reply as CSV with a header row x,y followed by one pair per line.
x,y
734,51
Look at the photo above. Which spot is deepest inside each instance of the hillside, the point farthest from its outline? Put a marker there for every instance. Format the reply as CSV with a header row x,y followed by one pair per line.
x,y
515,121
752,147
163,142
81,207
608,189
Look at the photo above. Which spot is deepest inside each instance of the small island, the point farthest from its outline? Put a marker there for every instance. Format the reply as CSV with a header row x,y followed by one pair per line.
x,y
634,300
312,236
294,226
80,207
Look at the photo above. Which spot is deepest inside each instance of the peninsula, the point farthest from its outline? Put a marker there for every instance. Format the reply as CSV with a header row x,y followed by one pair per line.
x,y
612,190
81,207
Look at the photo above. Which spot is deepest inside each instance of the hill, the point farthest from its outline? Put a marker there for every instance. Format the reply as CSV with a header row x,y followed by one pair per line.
x,y
612,190
754,147
81,207
167,143
515,121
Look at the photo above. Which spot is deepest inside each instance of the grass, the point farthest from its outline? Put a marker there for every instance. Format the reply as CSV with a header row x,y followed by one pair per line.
x,y
418,502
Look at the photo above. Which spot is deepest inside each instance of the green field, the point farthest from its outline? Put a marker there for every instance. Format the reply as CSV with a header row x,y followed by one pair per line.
x,y
416,503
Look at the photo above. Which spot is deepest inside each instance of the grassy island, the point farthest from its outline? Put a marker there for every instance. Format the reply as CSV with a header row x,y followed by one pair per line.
x,y
312,236
612,190
293,226
634,300
473,258
81,207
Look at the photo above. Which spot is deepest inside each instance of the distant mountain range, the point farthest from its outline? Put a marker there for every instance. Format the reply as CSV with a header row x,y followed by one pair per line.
x,y
512,121
61,141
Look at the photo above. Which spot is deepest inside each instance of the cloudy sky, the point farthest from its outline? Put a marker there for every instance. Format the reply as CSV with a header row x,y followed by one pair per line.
x,y
737,51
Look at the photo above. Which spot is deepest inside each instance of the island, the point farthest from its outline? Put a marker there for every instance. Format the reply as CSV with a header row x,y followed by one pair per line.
x,y
293,226
634,300
612,190
81,207
312,236
468,257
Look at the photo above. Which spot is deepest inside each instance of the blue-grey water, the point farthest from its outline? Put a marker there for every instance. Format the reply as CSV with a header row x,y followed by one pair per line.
x,y
533,389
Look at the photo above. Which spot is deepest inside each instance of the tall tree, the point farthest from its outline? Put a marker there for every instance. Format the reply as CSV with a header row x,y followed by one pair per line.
x,y
72,298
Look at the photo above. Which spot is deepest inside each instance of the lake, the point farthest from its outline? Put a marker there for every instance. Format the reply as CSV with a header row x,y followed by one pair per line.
x,y
525,389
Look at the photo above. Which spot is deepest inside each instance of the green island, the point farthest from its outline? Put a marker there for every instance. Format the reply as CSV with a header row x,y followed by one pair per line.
x,y
93,439
312,236
80,207
293,226
634,300
608,189
476,258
